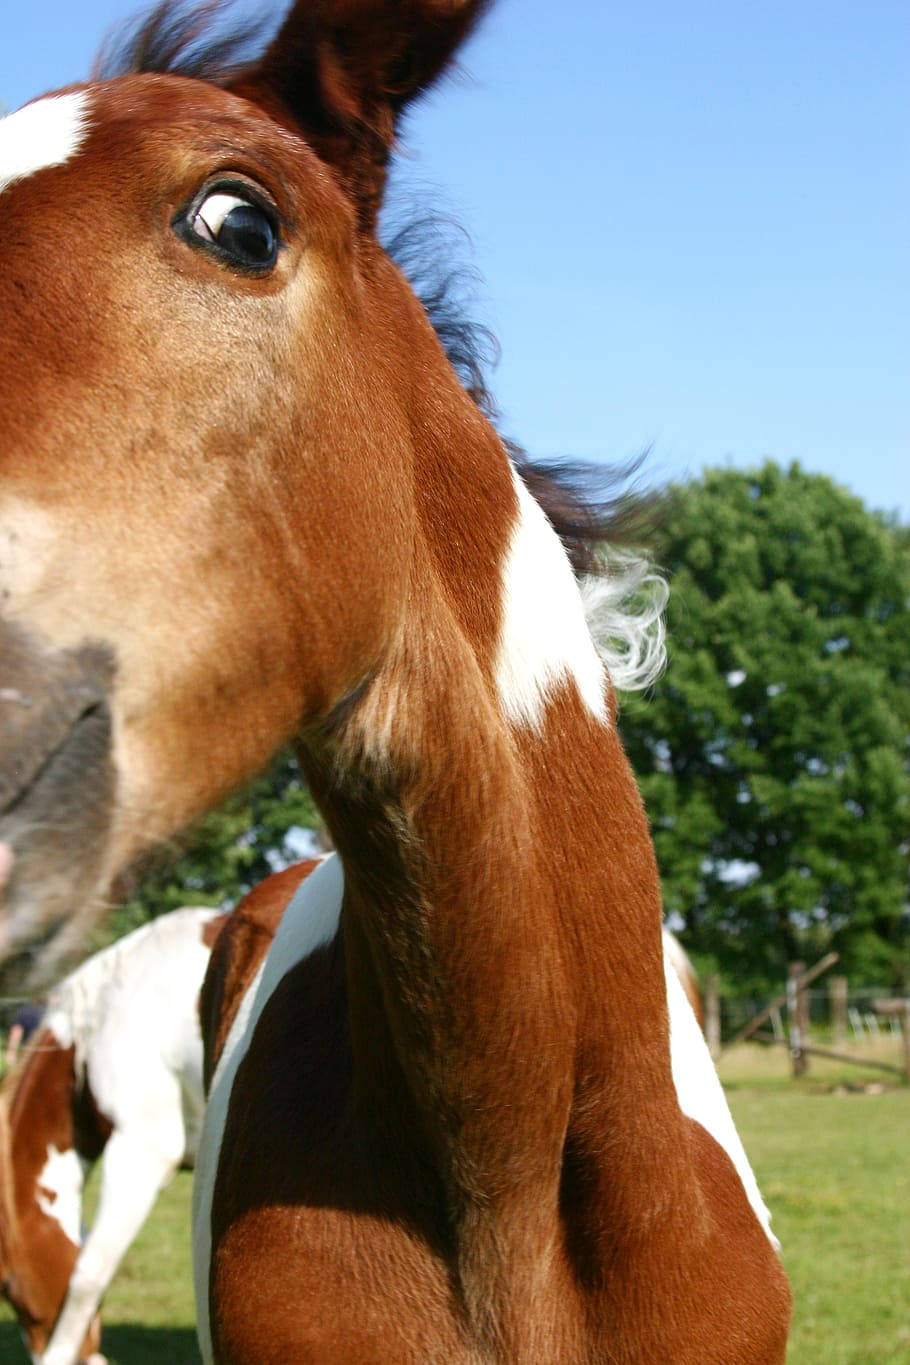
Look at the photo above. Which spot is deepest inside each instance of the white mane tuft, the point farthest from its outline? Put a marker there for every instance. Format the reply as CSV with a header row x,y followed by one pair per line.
x,y
624,606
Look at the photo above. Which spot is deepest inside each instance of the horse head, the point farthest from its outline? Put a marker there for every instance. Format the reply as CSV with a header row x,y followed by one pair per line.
x,y
225,426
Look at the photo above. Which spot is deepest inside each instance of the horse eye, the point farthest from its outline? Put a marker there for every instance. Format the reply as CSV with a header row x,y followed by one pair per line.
x,y
240,230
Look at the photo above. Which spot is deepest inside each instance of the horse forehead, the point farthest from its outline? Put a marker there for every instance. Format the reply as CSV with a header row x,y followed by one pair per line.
x,y
47,133
173,122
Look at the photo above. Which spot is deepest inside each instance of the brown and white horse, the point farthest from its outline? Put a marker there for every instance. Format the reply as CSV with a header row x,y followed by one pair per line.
x,y
679,960
246,937
243,941
239,984
243,495
115,1072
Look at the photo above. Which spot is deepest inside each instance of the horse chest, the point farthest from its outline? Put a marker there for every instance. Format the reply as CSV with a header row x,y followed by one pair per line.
x,y
330,1238
316,1231
330,1285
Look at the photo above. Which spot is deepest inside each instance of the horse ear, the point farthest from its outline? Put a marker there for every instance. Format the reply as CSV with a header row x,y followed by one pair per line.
x,y
343,71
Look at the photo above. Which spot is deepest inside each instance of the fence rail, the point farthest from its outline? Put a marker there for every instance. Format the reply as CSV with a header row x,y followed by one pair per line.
x,y
791,1012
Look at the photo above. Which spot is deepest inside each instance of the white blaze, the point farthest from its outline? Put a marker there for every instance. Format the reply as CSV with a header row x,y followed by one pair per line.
x,y
46,133
544,639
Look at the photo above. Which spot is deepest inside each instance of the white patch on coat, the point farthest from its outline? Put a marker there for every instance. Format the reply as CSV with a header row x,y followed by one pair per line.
x,y
59,1191
46,133
700,1093
7,856
131,1013
544,639
309,922
60,1024
676,954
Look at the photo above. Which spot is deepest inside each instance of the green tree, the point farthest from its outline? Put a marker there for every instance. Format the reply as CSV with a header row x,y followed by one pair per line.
x,y
774,754
231,849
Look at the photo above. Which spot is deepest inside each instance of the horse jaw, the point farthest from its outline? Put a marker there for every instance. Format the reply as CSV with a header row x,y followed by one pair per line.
x,y
56,792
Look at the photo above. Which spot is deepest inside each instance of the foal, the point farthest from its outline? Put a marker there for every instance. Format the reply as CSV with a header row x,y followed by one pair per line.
x,y
244,496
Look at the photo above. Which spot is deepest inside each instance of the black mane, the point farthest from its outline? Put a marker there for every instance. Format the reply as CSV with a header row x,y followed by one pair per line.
x,y
423,250
179,39
588,505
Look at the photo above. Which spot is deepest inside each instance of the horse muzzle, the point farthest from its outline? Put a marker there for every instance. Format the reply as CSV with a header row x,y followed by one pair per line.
x,y
57,781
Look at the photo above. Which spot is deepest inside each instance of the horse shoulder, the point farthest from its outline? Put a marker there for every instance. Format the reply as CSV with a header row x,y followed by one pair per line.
x,y
308,923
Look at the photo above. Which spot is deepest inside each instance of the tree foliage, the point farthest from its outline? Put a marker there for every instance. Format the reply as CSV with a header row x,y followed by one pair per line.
x,y
774,754
231,849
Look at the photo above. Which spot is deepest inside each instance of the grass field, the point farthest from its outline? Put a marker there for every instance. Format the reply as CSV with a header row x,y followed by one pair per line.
x,y
834,1165
149,1311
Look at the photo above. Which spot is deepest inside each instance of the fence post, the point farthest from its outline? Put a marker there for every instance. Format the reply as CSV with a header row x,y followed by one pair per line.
x,y
898,1010
797,1020
837,995
712,1014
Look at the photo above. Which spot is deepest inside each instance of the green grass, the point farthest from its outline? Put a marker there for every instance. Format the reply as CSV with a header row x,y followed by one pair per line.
x,y
750,1064
833,1166
149,1310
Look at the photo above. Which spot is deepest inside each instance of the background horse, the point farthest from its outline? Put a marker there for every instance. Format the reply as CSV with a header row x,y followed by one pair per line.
x,y
115,1071
239,952
467,1116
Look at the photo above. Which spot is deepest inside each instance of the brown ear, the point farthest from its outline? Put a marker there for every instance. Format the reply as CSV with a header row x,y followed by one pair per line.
x,y
342,72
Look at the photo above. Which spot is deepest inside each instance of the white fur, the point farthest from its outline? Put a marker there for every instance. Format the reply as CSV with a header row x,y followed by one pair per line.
x,y
59,1192
133,1174
700,1093
676,954
46,133
310,921
544,639
132,1014
60,1023
624,607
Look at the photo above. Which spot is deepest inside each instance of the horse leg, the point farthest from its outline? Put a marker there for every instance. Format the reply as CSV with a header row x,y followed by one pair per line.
x,y
134,1170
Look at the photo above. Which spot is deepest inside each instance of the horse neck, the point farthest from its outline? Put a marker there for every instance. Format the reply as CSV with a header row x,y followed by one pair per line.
x,y
501,918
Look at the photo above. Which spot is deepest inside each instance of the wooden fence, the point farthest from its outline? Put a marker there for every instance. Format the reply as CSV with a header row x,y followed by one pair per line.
x,y
796,1038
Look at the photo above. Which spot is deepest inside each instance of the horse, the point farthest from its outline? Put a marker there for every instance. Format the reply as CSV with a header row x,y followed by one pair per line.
x,y
466,1116
676,955
114,1071
239,951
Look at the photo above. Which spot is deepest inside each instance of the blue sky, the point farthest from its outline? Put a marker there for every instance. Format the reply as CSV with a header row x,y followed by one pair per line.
x,y
691,221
